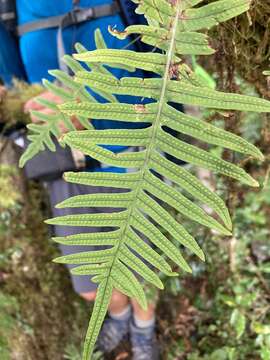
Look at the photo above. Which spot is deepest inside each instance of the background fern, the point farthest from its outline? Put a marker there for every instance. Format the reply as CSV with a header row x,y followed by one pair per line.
x,y
41,135
172,28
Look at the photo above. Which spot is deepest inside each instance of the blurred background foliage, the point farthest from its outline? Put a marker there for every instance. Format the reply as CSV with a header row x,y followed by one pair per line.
x,y
12,103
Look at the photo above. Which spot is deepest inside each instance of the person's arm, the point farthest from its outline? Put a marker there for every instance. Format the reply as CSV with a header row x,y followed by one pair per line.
x,y
2,92
32,104
10,61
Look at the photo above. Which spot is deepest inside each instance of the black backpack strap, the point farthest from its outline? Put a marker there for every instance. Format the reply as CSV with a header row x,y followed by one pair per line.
x,y
8,16
128,8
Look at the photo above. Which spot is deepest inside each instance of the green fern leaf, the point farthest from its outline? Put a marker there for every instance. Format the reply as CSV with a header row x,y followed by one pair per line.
x,y
176,92
102,220
187,42
42,134
103,297
98,200
186,181
172,29
95,239
126,281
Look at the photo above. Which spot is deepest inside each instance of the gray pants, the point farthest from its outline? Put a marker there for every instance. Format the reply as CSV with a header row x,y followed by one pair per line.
x,y
60,190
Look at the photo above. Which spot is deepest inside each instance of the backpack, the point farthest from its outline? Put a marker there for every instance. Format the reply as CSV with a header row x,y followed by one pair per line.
x,y
8,16
77,15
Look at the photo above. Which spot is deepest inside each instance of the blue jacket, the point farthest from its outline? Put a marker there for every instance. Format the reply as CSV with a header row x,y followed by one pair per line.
x,y
38,50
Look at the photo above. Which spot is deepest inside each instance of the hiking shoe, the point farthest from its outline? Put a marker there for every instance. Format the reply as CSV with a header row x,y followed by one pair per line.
x,y
144,343
112,333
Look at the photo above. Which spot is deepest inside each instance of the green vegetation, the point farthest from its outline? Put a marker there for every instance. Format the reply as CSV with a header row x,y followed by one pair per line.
x,y
11,106
31,289
222,311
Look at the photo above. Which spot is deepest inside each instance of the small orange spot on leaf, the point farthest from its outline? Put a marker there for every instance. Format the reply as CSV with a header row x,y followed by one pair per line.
x,y
140,108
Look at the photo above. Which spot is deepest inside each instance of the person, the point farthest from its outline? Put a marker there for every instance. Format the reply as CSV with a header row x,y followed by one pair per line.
x,y
29,58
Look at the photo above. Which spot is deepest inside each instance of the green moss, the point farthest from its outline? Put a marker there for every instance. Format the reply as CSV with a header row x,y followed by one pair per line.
x,y
7,174
242,44
11,106
48,315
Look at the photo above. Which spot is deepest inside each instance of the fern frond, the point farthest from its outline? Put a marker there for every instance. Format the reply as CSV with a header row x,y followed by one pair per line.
x,y
187,42
41,134
95,239
175,91
102,301
172,29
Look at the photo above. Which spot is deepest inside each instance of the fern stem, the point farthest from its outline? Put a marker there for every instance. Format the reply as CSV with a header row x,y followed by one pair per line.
x,y
105,291
155,126
88,344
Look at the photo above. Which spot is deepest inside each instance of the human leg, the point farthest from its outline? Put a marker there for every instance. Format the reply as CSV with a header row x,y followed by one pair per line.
x,y
116,325
119,302
88,296
143,333
59,190
140,313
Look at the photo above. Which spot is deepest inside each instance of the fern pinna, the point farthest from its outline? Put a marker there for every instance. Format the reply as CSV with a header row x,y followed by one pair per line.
x,y
172,28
